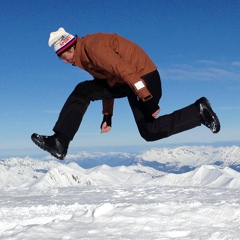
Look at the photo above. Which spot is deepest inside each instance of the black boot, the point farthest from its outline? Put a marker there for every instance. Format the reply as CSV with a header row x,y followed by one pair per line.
x,y
208,117
56,144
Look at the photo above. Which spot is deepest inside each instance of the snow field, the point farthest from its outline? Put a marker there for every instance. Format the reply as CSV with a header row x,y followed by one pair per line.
x,y
55,200
120,212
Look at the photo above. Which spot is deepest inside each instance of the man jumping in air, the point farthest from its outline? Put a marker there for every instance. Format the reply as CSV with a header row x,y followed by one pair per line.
x,y
120,68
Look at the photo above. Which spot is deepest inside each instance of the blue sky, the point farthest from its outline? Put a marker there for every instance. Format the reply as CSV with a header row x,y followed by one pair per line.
x,y
195,45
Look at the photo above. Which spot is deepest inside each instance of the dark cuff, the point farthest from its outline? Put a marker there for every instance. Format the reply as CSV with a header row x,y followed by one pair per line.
x,y
107,119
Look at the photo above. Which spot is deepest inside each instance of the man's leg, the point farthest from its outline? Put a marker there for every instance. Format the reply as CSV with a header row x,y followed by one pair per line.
x,y
72,113
74,109
164,126
76,105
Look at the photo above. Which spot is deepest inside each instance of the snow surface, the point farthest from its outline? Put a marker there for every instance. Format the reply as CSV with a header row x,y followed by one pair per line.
x,y
48,199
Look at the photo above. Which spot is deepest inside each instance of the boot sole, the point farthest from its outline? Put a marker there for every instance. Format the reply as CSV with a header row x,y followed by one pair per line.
x,y
206,104
42,145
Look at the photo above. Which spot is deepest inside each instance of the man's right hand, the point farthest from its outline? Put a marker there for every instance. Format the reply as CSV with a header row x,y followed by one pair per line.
x,y
105,128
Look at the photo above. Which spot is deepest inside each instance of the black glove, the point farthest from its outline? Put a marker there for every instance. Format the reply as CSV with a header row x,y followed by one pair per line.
x,y
107,119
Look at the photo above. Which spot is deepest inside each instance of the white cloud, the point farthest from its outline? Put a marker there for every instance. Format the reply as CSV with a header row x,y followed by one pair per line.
x,y
202,70
236,64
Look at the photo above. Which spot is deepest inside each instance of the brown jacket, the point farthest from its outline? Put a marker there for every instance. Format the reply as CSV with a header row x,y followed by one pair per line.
x,y
115,59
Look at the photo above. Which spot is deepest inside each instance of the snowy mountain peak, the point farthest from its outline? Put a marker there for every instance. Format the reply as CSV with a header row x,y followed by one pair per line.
x,y
144,169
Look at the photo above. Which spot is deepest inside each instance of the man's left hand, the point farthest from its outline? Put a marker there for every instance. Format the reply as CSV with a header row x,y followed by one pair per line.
x,y
156,113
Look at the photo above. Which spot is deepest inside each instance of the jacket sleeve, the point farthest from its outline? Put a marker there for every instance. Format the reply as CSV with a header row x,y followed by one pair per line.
x,y
111,62
108,106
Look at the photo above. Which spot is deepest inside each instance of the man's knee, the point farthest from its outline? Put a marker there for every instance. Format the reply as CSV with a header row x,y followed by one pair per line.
x,y
151,136
145,134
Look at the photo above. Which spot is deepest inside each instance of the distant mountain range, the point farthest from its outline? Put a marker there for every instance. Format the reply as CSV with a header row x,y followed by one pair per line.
x,y
184,166
170,160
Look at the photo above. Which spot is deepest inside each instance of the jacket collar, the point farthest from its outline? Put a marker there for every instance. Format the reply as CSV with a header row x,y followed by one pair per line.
x,y
78,53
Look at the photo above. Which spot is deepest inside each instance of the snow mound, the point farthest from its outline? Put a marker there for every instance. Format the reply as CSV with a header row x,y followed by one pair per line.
x,y
206,175
62,176
103,209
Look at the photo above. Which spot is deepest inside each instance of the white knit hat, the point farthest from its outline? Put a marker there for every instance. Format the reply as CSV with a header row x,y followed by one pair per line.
x,y
61,40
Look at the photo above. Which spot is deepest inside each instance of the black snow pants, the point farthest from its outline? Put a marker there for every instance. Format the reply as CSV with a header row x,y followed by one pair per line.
x,y
149,128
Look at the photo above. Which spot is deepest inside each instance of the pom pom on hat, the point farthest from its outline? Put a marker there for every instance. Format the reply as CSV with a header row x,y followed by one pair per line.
x,y
61,40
